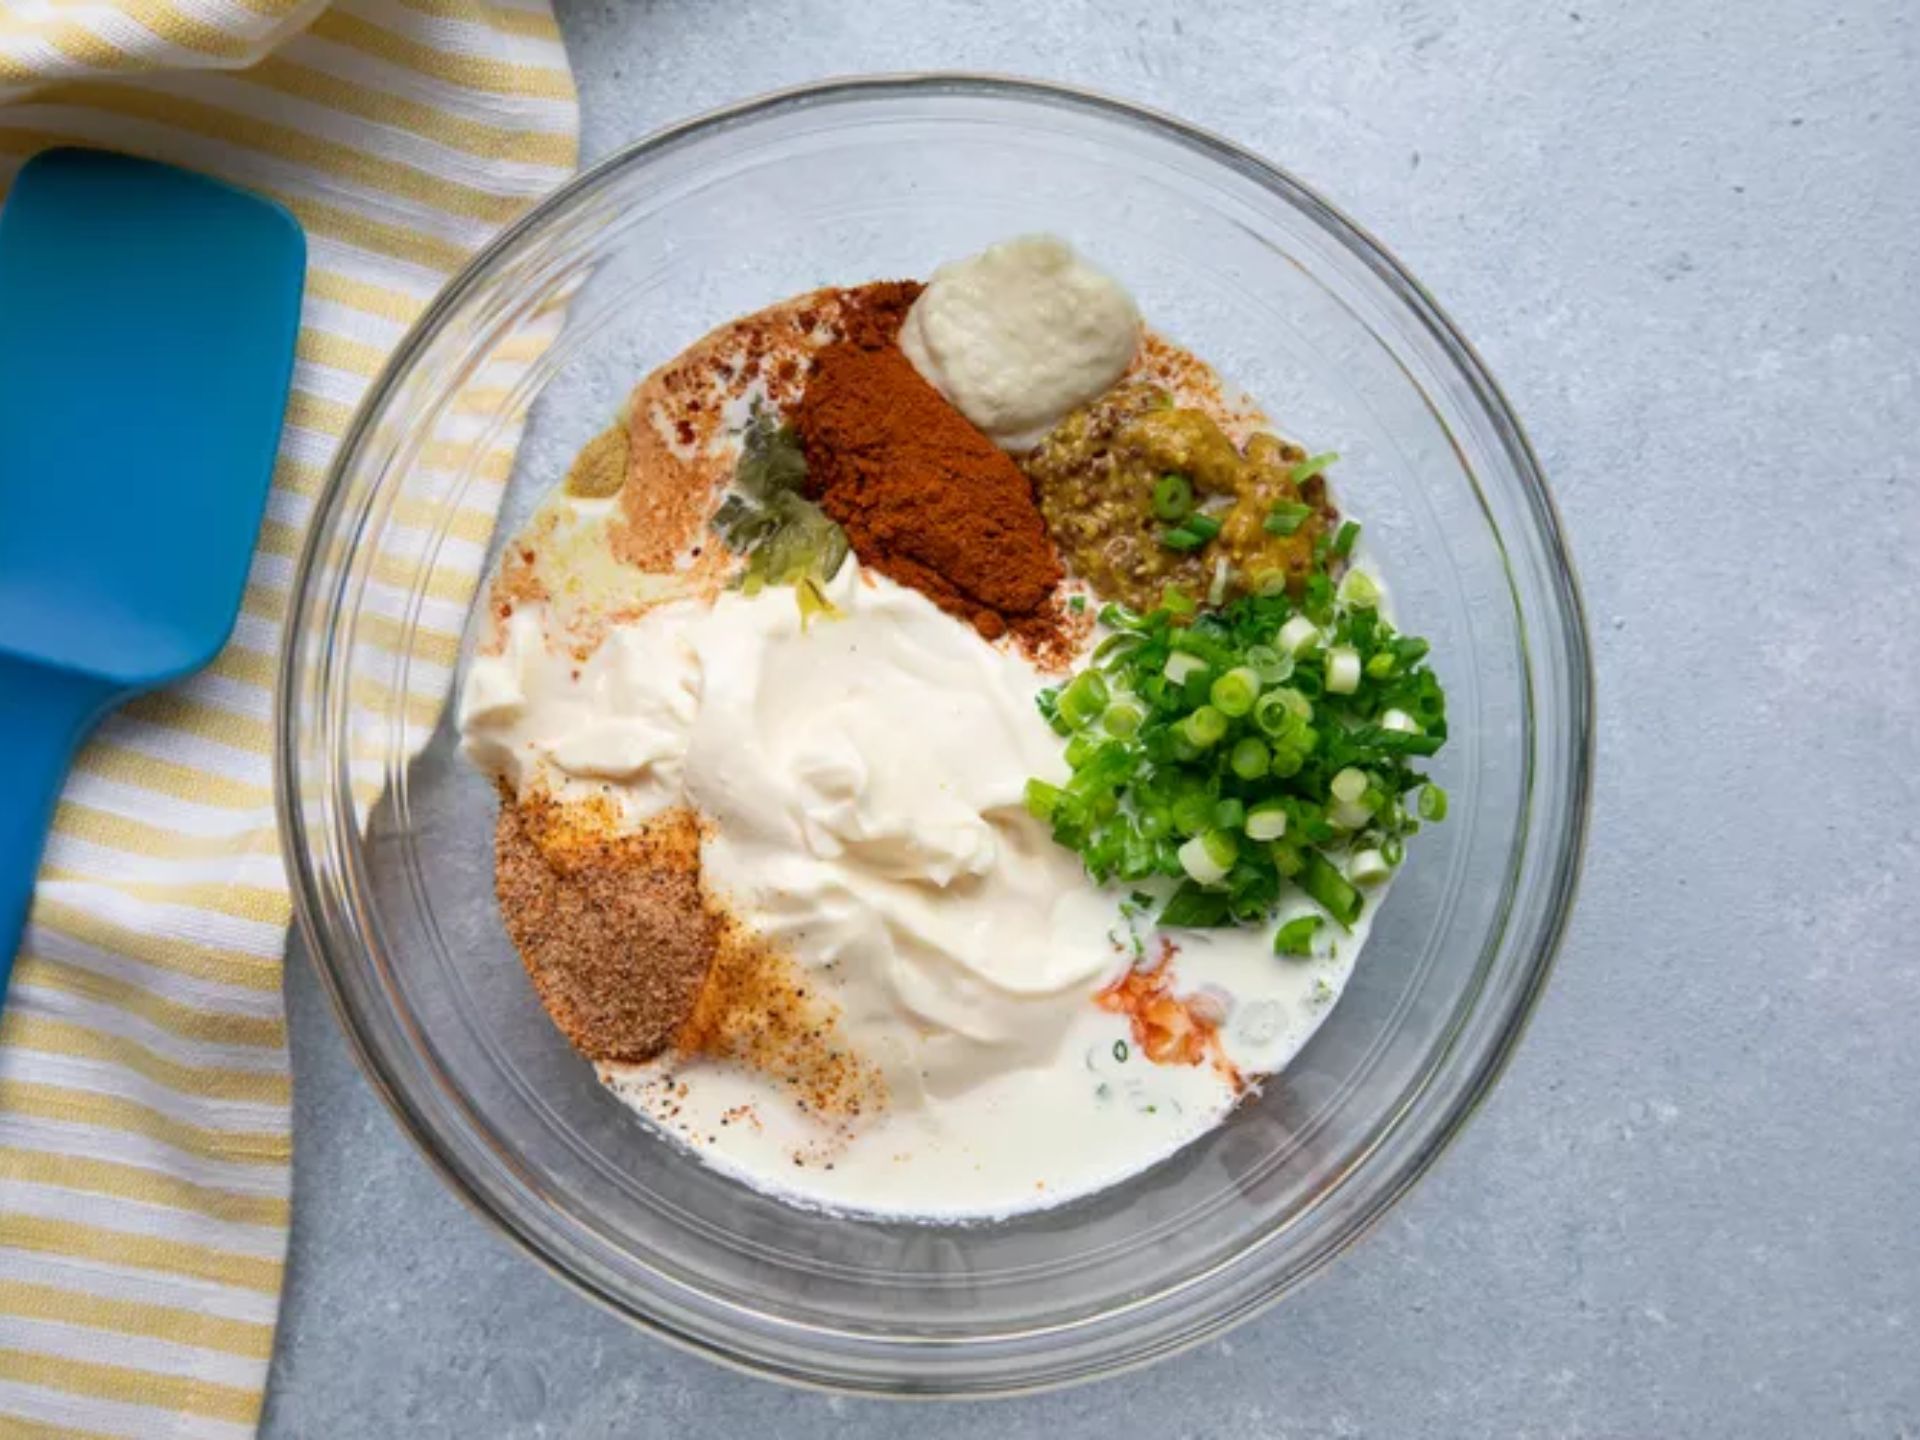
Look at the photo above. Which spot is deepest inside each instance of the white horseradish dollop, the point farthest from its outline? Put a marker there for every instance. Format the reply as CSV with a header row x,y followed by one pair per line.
x,y
1020,334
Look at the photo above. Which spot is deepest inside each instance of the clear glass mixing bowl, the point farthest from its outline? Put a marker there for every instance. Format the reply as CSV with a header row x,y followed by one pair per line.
x,y
388,832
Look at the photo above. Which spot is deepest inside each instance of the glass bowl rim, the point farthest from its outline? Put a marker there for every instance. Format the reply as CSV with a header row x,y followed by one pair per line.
x,y
1561,868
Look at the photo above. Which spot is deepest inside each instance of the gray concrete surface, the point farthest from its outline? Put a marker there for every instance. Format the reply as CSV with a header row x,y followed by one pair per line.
x,y
1684,235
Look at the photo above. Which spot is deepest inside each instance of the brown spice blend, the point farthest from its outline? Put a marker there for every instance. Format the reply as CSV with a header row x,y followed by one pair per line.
x,y
610,926
632,959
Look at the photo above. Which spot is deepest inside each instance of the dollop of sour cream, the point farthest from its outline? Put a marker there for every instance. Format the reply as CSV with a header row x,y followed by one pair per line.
x,y
1020,334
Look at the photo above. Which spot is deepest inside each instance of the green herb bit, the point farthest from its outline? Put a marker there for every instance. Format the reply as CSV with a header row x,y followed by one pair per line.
x,y
771,460
1286,518
1329,889
1343,539
1308,468
1173,497
1043,800
1251,759
1120,1051
1234,693
1195,908
765,517
1296,936
1084,700
1077,604
1192,533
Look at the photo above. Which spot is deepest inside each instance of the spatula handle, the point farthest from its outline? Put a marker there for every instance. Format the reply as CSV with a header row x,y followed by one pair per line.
x,y
44,714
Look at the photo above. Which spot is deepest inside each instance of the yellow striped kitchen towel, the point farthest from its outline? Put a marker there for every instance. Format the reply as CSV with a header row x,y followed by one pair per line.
x,y
144,1084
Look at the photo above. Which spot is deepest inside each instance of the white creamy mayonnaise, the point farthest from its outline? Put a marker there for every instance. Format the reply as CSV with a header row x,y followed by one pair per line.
x,y
1020,334
863,776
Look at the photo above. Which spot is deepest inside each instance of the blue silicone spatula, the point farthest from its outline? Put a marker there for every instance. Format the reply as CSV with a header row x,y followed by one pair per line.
x,y
147,324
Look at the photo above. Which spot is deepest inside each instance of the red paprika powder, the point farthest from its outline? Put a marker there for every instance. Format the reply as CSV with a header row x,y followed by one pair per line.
x,y
923,496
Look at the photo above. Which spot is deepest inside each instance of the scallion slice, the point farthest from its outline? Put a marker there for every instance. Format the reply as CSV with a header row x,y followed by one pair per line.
x,y
1286,518
1267,821
1329,889
1296,936
1343,670
1173,496
1251,760
1310,467
1206,726
1297,636
1368,867
1233,693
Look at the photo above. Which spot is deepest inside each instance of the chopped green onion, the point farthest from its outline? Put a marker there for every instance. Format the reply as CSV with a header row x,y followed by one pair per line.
x,y
1329,889
1432,803
1359,590
1308,468
1047,702
1180,664
1233,693
1120,1051
1288,719
1297,636
1286,518
1173,496
1269,664
1343,540
1192,812
1221,847
1182,539
1084,700
1267,821
1077,604
1368,867
1250,759
1043,799
1206,726
1296,936
1281,711
1222,573
1348,815
1197,860
1270,582
1194,908
1343,670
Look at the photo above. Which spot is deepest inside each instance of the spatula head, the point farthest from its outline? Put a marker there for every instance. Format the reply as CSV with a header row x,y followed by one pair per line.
x,y
147,324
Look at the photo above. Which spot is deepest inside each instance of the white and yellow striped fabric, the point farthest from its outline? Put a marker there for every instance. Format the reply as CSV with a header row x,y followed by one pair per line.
x,y
144,1084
